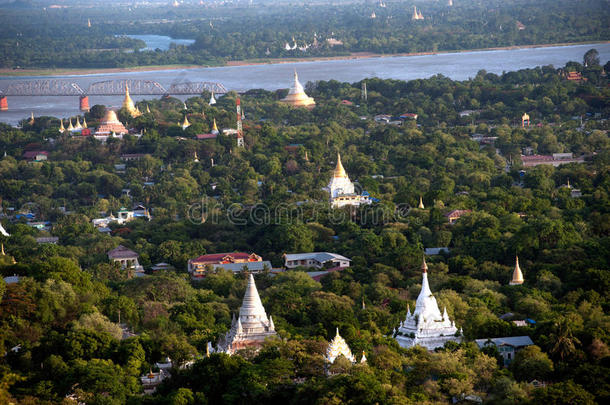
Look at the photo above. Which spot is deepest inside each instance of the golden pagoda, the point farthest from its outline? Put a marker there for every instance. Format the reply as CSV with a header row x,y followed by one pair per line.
x,y
214,128
339,170
147,109
70,126
517,274
32,118
89,22
84,123
525,120
185,123
129,105
296,96
421,203
61,126
78,124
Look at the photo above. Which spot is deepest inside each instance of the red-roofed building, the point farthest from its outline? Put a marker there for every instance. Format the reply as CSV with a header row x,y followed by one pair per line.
x,y
411,116
36,155
456,214
205,136
346,102
575,77
197,267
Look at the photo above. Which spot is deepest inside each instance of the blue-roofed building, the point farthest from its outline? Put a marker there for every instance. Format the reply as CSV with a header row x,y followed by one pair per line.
x,y
507,346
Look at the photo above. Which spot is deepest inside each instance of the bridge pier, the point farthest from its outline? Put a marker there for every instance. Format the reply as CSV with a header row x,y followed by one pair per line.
x,y
3,103
84,103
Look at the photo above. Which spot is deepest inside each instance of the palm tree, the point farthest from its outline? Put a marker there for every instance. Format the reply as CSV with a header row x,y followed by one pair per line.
x,y
564,340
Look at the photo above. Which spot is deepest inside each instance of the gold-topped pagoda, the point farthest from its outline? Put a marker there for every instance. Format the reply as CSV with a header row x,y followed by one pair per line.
x,y
185,123
214,128
296,96
62,129
129,105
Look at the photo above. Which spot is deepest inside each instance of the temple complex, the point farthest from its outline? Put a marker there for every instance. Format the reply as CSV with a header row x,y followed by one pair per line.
x,y
517,274
342,189
129,105
110,124
426,326
296,96
251,328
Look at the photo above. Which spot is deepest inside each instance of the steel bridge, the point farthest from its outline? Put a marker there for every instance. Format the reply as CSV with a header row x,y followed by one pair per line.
x,y
108,88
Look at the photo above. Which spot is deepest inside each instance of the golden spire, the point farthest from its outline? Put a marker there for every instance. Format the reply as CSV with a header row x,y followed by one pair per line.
x,y
70,127
339,170
84,122
32,118
89,22
517,274
424,266
3,254
78,125
147,109
185,123
214,127
61,126
128,103
421,203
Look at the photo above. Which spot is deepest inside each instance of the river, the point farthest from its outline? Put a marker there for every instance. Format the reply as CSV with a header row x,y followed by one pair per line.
x,y
458,66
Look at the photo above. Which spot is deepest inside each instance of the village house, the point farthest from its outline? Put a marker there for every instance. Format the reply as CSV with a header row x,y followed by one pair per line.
x,y
507,346
235,262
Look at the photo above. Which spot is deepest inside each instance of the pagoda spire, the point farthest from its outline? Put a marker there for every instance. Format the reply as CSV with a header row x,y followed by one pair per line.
x,y
70,126
517,273
61,126
339,170
421,203
212,100
78,124
185,123
252,305
424,266
84,122
214,127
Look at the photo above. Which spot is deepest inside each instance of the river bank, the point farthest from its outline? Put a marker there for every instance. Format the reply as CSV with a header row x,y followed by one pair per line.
x,y
6,72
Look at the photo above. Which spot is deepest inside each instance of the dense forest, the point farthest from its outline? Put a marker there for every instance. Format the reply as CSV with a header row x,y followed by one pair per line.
x,y
60,333
61,38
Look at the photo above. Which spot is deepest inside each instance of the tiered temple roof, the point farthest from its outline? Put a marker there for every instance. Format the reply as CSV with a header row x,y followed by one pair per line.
x,y
426,326
109,124
338,347
342,189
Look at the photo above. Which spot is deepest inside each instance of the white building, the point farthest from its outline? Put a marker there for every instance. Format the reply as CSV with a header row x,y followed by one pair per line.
x,y
426,326
319,260
252,326
341,189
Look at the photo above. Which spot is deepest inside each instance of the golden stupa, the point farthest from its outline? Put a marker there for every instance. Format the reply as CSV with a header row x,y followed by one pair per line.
x,y
214,128
339,170
129,105
296,95
185,123
70,126
421,203
61,126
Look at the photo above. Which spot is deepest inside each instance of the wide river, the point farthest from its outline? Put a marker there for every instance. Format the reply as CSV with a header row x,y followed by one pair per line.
x,y
458,66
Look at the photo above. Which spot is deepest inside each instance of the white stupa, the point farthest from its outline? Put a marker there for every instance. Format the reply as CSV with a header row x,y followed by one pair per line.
x,y
252,326
296,96
426,326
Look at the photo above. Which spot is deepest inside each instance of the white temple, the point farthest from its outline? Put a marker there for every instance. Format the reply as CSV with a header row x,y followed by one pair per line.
x,y
251,328
426,326
342,189
336,348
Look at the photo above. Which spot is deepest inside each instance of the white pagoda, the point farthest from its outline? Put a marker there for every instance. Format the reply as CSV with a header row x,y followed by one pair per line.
x,y
336,348
296,96
252,326
426,326
517,274
342,189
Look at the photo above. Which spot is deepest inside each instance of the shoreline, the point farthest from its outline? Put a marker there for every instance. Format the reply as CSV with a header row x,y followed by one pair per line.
x,y
6,72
